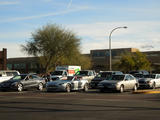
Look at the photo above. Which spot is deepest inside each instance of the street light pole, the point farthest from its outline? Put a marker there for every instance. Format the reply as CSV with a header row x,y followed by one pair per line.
x,y
110,52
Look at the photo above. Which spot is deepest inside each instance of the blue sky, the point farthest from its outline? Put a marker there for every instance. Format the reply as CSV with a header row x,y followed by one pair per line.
x,y
90,20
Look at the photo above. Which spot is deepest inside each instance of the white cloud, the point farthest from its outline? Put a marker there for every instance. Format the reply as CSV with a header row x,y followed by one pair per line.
x,y
15,35
69,4
137,35
9,2
75,9
13,50
47,0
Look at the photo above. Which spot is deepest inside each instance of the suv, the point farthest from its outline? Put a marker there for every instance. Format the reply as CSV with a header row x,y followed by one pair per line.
x,y
7,74
119,83
86,74
103,75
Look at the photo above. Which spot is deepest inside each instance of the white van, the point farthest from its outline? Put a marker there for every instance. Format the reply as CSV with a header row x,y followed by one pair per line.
x,y
7,74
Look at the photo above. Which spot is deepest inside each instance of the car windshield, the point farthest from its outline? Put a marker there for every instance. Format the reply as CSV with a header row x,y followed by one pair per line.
x,y
19,77
149,76
57,73
83,73
106,75
117,77
138,75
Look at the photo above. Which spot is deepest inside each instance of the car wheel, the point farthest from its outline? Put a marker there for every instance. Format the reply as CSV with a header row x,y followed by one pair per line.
x,y
20,87
121,89
135,88
68,88
154,86
40,86
85,88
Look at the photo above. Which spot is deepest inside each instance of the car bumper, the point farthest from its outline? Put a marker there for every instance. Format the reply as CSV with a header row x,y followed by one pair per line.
x,y
7,88
109,88
55,88
145,85
94,85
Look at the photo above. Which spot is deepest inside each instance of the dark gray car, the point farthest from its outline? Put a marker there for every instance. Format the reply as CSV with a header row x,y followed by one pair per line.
x,y
23,81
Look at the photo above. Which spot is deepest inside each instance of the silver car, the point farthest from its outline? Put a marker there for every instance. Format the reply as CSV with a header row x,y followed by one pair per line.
x,y
150,81
119,83
86,74
69,84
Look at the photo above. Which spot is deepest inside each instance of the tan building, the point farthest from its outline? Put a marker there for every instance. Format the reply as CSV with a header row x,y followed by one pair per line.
x,y
154,58
100,58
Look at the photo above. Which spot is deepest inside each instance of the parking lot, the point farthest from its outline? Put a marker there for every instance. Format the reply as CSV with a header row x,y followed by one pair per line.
x,y
91,105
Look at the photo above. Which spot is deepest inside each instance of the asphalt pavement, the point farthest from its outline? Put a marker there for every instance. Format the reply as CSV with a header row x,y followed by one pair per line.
x,y
92,105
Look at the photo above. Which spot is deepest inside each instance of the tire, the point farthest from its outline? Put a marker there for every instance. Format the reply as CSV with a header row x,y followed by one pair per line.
x,y
68,88
20,87
40,86
85,88
154,86
135,88
121,89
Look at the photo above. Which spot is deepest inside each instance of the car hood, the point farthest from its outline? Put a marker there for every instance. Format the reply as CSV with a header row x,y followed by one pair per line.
x,y
109,81
57,82
145,79
10,81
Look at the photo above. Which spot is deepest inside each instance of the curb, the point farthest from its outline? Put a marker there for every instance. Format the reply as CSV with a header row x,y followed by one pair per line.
x,y
147,92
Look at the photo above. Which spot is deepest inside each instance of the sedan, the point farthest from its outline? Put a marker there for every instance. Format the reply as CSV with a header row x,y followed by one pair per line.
x,y
23,81
150,81
119,83
71,83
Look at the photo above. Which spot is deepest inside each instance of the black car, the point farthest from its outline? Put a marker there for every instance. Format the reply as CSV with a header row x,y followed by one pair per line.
x,y
23,81
103,75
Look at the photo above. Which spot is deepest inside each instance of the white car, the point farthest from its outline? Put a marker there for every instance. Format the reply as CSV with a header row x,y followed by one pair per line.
x,y
119,83
86,74
7,74
150,81
69,84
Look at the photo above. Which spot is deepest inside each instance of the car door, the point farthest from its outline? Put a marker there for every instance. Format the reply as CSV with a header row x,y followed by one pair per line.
x,y
126,82
158,80
132,82
35,80
75,84
28,82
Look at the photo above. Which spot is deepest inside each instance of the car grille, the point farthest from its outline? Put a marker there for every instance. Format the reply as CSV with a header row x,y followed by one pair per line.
x,y
52,86
142,82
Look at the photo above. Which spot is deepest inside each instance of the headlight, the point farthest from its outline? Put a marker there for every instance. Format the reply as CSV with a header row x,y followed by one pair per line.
x,y
113,84
60,83
148,82
117,84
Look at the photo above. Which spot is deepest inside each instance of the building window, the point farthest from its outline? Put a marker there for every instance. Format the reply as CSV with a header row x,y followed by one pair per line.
x,y
20,66
9,66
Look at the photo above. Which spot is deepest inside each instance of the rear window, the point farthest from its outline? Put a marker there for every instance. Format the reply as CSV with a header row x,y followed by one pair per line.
x,y
57,73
